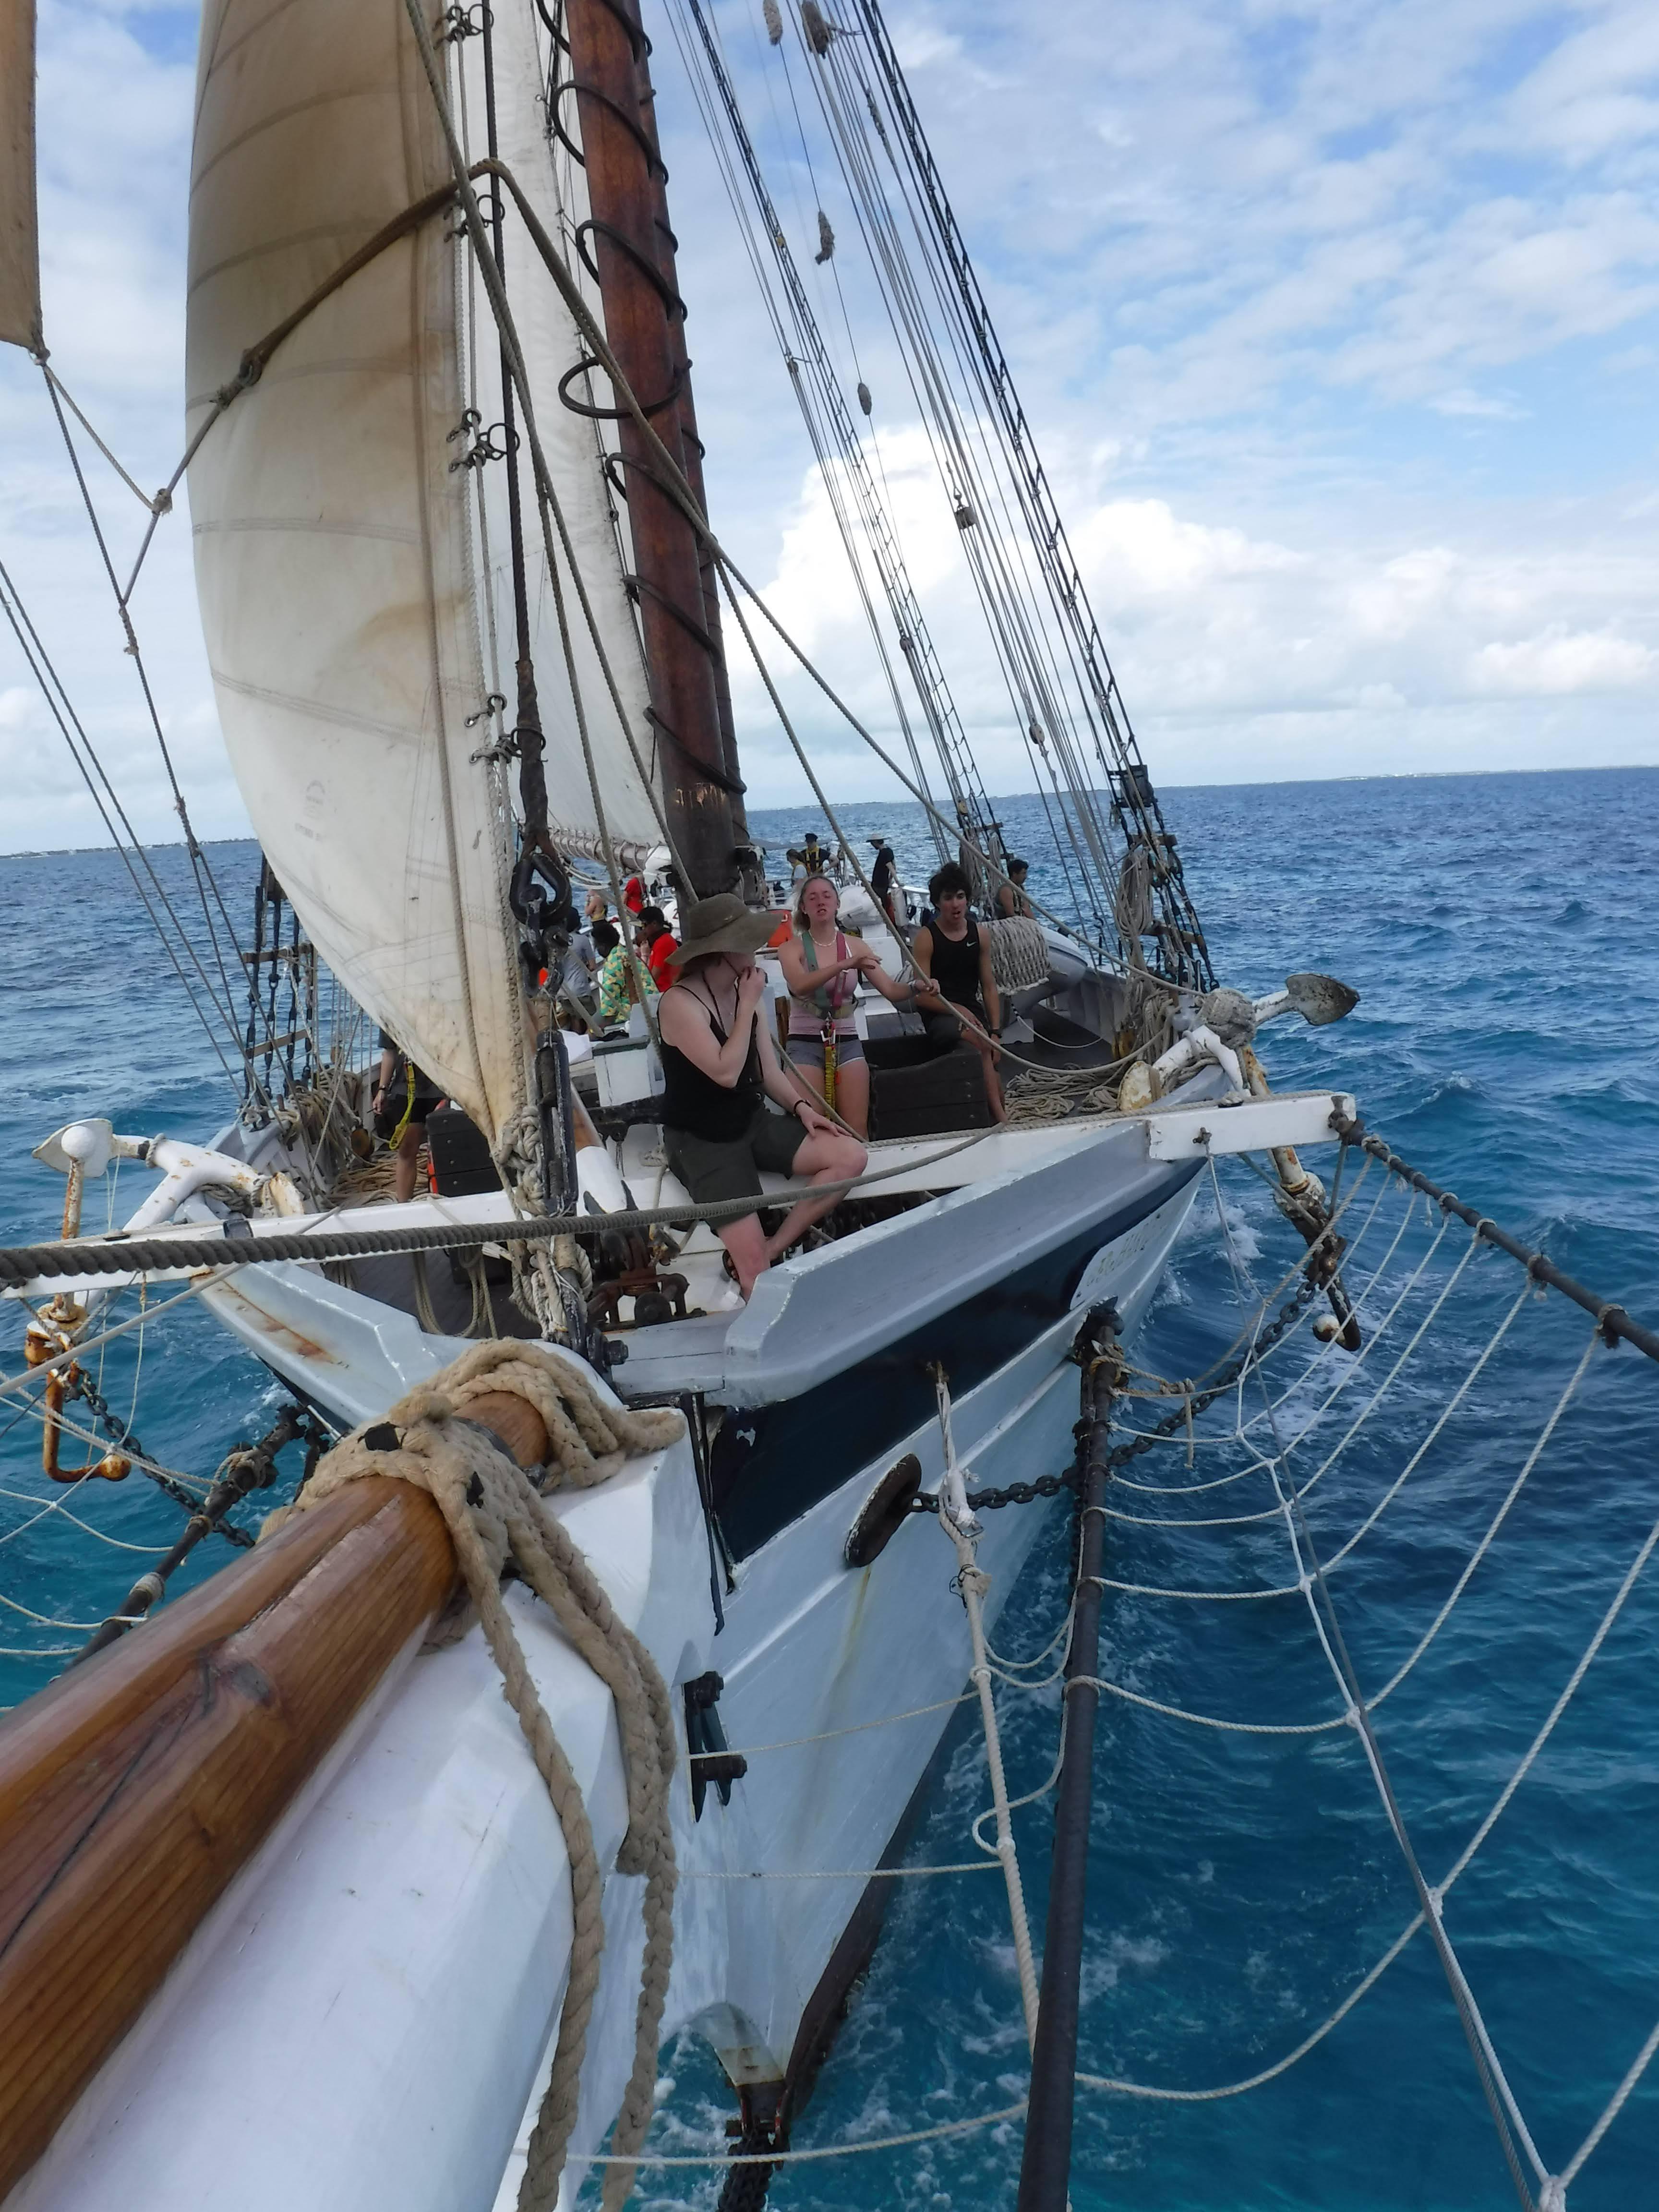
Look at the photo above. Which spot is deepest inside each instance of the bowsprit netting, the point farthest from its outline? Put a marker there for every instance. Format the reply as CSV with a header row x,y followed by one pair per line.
x,y
1358,1500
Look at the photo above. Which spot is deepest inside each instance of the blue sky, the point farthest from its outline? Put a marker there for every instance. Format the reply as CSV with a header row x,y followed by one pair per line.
x,y
1338,325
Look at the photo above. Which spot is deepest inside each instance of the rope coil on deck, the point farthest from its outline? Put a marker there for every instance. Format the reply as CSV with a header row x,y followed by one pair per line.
x,y
495,1513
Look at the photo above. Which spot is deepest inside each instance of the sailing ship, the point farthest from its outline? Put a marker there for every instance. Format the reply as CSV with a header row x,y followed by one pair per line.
x,y
468,620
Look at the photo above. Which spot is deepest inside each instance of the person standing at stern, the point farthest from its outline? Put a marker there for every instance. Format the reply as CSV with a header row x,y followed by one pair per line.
x,y
719,1067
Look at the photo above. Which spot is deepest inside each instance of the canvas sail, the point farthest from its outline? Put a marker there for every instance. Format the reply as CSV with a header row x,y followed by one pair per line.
x,y
20,253
575,446
340,560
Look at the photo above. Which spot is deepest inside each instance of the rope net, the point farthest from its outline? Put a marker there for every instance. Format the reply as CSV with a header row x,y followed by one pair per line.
x,y
1323,1603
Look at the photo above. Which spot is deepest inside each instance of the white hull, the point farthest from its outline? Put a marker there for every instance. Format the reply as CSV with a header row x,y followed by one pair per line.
x,y
363,2021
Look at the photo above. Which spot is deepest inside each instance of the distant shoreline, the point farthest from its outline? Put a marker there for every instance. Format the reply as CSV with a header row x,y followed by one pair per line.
x,y
805,804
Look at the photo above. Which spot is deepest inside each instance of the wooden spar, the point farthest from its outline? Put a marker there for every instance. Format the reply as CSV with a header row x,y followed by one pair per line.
x,y
135,1787
690,444
628,240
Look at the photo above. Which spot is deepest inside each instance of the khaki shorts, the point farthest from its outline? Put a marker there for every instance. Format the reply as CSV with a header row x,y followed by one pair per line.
x,y
712,1171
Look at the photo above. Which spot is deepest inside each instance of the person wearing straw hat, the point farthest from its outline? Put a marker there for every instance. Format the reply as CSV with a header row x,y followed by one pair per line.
x,y
719,1067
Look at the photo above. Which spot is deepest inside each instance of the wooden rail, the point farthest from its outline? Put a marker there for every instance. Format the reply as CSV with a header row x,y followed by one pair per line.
x,y
134,1787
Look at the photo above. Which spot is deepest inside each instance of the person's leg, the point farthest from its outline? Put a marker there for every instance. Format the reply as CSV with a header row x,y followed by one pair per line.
x,y
987,1053
409,1145
745,1240
809,1066
712,1171
853,1095
824,1157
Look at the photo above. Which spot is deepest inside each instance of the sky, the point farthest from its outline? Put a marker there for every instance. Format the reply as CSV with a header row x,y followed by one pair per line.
x,y
1337,325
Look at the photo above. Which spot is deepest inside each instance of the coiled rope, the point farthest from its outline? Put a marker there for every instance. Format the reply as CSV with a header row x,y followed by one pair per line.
x,y
495,1514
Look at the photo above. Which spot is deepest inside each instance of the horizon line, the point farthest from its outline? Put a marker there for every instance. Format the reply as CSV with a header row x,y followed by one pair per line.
x,y
1265,783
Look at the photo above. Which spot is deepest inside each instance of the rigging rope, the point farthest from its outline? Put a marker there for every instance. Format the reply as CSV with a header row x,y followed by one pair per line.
x,y
200,866
74,737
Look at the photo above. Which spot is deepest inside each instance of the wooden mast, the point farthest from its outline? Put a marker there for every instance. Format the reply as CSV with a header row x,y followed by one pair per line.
x,y
628,241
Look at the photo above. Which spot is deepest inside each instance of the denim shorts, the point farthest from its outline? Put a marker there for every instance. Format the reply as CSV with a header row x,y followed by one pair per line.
x,y
808,1052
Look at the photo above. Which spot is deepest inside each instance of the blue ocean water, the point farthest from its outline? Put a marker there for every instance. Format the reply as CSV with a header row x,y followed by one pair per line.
x,y
1507,1042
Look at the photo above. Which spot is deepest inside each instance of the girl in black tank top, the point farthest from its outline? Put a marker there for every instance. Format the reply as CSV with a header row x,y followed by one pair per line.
x,y
695,1103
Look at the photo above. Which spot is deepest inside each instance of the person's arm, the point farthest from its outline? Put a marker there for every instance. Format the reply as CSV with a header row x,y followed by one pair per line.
x,y
686,1026
988,987
804,981
921,952
922,987
388,1062
1007,902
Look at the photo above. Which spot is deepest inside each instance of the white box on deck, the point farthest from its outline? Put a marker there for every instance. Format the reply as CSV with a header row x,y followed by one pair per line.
x,y
627,1068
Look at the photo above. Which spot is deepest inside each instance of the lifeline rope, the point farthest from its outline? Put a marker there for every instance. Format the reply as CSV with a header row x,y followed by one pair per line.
x,y
231,1248
494,1514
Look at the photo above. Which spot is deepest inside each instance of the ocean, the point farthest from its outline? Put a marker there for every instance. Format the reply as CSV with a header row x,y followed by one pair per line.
x,y
1507,1043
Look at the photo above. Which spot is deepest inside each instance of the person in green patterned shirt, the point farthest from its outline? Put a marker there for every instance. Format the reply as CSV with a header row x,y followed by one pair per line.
x,y
616,984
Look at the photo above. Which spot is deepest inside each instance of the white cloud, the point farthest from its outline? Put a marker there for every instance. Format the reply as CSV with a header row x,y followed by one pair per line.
x,y
1141,548
1559,661
1335,326
1479,404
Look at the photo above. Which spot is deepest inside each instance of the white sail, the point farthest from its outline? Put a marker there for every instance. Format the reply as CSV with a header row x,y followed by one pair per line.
x,y
574,447
337,543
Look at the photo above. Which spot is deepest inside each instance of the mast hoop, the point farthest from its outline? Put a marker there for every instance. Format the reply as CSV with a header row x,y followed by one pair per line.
x,y
733,786
653,161
615,460
553,30
612,414
642,586
673,305
639,44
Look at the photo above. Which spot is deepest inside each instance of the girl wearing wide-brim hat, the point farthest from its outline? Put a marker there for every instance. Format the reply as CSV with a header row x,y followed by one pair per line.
x,y
719,1068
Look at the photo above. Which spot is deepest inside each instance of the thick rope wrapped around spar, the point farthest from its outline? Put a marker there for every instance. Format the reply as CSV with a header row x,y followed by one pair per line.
x,y
494,1514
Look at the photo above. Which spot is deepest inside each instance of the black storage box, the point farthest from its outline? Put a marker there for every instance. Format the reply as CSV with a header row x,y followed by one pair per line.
x,y
917,1091
460,1153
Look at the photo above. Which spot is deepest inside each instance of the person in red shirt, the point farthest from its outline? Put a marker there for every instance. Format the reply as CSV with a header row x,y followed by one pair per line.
x,y
659,944
634,894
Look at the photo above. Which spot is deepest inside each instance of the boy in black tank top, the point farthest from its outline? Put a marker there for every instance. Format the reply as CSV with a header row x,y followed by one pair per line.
x,y
719,1067
951,950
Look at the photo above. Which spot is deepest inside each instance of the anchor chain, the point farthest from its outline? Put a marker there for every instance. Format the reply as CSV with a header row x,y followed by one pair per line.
x,y
121,1434
1051,1486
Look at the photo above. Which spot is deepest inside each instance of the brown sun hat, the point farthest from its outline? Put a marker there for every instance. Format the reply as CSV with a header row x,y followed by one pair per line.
x,y
720,923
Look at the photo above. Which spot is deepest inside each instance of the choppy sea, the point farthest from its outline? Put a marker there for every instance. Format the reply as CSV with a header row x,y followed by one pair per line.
x,y
1499,930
